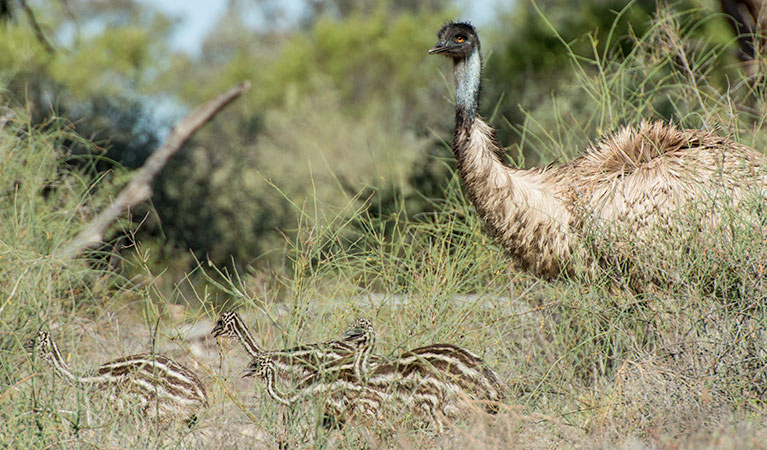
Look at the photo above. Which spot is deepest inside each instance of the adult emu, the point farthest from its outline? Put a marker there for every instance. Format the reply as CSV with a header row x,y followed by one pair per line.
x,y
631,187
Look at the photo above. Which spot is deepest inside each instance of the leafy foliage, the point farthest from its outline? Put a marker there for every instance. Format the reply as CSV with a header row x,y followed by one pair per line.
x,y
334,109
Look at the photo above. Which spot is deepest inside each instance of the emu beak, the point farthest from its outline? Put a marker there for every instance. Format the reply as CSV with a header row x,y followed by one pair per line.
x,y
439,47
30,344
217,330
250,370
352,334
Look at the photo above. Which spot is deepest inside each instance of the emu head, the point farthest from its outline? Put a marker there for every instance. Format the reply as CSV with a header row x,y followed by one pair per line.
x,y
361,333
226,324
42,344
261,366
456,40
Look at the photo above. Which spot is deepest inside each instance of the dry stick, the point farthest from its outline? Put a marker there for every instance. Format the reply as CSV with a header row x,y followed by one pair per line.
x,y
36,28
140,187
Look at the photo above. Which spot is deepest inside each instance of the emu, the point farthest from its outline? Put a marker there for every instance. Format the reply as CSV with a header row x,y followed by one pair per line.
x,y
294,363
434,381
342,401
163,388
627,187
341,404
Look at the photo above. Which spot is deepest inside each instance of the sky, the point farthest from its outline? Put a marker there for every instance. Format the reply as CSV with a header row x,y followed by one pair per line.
x,y
197,17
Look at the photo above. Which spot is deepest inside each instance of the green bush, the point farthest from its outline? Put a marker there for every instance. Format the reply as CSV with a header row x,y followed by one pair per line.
x,y
338,111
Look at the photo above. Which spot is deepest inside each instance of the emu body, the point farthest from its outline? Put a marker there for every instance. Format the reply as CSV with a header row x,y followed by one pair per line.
x,y
625,187
163,388
456,371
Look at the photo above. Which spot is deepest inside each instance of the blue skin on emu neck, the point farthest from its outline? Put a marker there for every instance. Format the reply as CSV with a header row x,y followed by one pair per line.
x,y
467,75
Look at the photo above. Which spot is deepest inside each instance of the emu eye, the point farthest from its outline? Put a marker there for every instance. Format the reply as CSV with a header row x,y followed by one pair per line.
x,y
459,39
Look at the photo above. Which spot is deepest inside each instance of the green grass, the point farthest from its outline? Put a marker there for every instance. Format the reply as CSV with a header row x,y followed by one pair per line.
x,y
586,361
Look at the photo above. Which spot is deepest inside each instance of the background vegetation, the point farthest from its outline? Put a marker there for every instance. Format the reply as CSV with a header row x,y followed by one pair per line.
x,y
328,192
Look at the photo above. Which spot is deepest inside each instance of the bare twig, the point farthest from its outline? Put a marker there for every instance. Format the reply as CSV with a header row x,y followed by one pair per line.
x,y
36,28
140,188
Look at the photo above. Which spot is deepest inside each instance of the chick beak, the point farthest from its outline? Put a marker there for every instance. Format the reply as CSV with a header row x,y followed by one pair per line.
x,y
352,335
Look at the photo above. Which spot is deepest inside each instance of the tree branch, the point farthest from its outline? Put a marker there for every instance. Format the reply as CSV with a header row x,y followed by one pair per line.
x,y
140,188
36,28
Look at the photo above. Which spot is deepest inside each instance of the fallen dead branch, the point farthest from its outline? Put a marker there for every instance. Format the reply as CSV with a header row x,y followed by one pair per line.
x,y
140,188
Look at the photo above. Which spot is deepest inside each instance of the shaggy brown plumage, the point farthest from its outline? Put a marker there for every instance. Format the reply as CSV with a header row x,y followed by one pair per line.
x,y
628,191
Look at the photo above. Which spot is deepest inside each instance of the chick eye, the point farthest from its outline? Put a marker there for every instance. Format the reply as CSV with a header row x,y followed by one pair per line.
x,y
459,39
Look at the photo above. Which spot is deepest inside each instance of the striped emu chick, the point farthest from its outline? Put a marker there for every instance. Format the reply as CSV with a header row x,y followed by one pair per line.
x,y
439,380
164,389
290,364
447,373
361,336
436,381
343,402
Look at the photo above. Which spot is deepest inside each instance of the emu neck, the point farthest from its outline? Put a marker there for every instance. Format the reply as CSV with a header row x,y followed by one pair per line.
x,y
61,367
468,73
271,389
519,207
476,151
361,360
247,340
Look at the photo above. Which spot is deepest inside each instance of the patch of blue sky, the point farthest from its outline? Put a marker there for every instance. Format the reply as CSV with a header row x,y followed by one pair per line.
x,y
198,17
